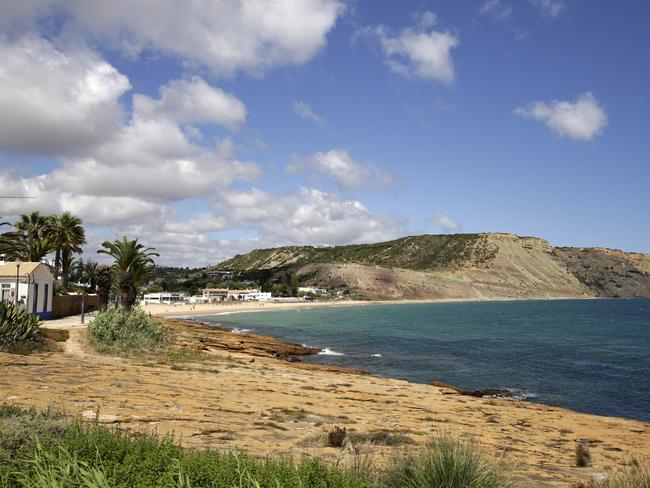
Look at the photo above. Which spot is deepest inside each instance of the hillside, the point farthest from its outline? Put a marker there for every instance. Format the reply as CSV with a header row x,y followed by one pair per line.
x,y
480,266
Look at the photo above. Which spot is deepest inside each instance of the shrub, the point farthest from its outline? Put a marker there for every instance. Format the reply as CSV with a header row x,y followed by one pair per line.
x,y
637,475
16,325
336,437
449,463
583,455
119,329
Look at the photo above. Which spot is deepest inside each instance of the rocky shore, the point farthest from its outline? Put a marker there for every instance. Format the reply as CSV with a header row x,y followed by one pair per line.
x,y
233,391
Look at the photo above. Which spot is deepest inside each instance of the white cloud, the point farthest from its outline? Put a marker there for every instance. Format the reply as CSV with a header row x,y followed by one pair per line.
x,y
549,8
226,36
581,120
192,101
496,9
54,101
304,111
308,217
418,51
445,223
348,174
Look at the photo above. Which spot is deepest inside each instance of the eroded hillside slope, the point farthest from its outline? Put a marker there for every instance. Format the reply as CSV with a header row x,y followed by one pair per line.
x,y
464,266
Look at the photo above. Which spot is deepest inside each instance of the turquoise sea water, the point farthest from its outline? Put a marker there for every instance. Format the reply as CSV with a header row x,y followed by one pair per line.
x,y
587,355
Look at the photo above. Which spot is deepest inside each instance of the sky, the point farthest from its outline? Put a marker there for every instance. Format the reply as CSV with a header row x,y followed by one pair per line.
x,y
209,128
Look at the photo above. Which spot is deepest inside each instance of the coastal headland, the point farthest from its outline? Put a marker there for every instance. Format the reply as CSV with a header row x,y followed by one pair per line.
x,y
223,390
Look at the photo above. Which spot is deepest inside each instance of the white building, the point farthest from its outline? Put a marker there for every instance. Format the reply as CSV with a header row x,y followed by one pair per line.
x,y
225,294
166,297
35,286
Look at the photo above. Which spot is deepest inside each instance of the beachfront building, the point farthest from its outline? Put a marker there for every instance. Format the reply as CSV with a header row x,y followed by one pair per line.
x,y
165,297
29,284
227,295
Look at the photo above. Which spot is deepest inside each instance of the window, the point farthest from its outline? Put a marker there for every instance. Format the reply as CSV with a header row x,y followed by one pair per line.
x,y
35,302
45,296
5,291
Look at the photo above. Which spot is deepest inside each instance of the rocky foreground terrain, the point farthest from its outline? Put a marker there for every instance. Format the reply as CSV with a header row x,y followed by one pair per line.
x,y
222,390
463,266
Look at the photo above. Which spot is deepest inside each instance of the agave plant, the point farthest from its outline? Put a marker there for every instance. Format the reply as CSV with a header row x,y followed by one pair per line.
x,y
16,325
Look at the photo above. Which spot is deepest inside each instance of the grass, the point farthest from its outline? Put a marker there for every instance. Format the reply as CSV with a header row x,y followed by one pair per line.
x,y
115,330
449,463
48,450
636,475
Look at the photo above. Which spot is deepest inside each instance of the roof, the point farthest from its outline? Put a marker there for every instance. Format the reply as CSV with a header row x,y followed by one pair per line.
x,y
27,268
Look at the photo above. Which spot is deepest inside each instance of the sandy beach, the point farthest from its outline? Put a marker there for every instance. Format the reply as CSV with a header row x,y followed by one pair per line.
x,y
236,394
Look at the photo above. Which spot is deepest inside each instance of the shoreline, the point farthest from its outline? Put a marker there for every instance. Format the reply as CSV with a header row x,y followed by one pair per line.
x,y
188,311
487,390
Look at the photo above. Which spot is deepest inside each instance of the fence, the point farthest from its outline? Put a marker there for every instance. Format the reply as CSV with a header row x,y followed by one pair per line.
x,y
67,305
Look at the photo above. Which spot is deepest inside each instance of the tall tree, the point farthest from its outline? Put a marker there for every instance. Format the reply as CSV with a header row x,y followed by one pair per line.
x,y
133,263
29,241
66,233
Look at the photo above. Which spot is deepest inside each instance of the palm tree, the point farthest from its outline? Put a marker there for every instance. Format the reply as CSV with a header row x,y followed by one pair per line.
x,y
28,242
67,235
15,246
133,262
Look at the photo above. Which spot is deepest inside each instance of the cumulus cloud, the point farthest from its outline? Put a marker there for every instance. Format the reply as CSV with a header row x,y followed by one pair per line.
x,y
496,9
226,36
419,51
338,165
192,101
56,102
304,111
581,120
308,216
549,8
445,223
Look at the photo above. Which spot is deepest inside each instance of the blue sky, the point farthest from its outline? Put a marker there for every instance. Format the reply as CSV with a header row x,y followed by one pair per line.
x,y
224,127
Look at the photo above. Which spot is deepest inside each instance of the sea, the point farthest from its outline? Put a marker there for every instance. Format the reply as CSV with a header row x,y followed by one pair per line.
x,y
590,356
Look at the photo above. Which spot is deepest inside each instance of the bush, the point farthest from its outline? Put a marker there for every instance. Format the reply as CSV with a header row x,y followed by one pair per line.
x,y
583,455
637,475
119,329
16,325
449,463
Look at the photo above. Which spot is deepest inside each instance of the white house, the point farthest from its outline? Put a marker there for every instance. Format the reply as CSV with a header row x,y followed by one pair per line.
x,y
166,297
29,284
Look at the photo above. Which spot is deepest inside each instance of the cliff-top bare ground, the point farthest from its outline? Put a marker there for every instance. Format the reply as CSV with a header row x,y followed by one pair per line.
x,y
232,394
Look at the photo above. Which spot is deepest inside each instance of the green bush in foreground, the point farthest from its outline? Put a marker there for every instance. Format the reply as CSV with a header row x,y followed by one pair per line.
x,y
116,328
447,463
16,325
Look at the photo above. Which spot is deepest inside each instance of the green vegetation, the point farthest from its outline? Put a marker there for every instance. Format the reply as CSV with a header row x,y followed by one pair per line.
x,y
17,326
35,236
447,462
428,252
133,263
48,450
118,329
45,450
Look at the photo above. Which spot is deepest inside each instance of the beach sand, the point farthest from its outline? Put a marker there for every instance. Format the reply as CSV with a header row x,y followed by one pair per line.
x,y
236,395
